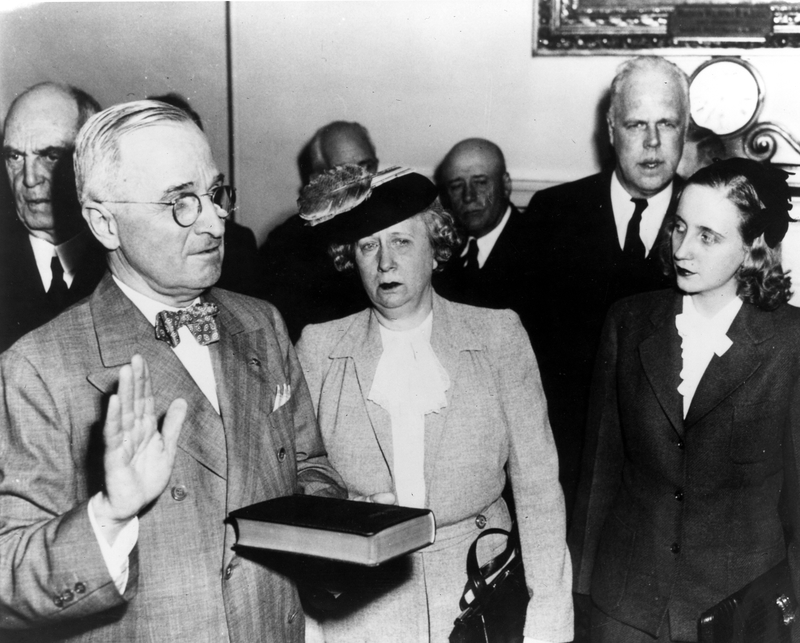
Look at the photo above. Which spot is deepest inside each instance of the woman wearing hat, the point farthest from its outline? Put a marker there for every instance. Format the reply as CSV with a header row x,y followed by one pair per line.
x,y
432,401
692,428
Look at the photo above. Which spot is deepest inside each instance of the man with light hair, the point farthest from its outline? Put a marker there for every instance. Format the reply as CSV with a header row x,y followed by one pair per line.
x,y
48,258
137,420
595,240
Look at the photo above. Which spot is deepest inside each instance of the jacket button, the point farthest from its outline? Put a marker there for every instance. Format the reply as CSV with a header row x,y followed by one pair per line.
x,y
178,493
67,596
681,444
58,602
228,572
675,549
281,454
292,616
679,495
480,521
255,362
80,588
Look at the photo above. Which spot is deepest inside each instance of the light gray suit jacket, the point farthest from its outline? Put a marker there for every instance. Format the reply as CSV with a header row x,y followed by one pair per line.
x,y
186,582
496,414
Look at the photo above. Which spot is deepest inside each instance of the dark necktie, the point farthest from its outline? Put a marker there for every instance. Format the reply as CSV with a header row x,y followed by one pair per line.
x,y
57,294
471,264
634,248
199,319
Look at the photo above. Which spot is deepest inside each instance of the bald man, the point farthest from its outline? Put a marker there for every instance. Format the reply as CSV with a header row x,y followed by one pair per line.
x,y
298,275
48,259
492,270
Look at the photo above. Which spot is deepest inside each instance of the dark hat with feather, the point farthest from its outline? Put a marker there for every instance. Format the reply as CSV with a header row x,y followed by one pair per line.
x,y
350,203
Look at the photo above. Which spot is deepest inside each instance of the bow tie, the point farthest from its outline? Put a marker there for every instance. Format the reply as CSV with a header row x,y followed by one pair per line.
x,y
199,319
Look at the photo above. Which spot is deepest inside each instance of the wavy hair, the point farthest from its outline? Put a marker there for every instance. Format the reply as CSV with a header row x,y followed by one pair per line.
x,y
760,193
442,233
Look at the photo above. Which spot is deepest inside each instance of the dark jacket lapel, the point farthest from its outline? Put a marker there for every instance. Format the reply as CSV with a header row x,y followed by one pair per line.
x,y
725,374
660,354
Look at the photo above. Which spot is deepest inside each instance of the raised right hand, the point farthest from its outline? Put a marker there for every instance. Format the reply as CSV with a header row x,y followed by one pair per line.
x,y
138,458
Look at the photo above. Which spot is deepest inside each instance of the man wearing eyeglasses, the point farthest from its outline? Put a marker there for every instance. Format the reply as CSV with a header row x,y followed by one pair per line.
x,y
136,421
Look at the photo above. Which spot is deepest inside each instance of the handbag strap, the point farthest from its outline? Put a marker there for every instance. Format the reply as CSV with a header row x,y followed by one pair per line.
x,y
477,575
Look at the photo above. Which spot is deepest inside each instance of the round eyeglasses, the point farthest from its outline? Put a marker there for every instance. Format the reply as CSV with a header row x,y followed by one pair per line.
x,y
187,207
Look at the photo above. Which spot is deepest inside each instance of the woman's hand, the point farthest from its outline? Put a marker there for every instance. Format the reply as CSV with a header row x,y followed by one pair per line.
x,y
383,498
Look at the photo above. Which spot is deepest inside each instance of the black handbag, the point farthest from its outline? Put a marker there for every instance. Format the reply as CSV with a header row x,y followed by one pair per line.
x,y
496,613
761,612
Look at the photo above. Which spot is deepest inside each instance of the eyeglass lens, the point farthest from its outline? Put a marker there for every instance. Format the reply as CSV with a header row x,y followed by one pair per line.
x,y
188,207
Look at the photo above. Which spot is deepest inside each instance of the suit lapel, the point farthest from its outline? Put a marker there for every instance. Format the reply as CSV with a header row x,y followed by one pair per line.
x,y
726,374
448,339
122,330
660,354
362,343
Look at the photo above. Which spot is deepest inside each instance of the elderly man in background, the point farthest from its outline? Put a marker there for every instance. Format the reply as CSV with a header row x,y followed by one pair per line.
x,y
594,241
298,276
114,530
493,269
48,259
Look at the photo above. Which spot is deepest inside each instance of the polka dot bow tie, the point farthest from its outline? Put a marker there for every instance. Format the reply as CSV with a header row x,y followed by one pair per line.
x,y
199,319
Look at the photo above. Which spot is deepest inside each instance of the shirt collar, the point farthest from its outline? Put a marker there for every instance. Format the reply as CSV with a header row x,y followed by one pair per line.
x,y
487,241
657,206
69,254
149,307
691,323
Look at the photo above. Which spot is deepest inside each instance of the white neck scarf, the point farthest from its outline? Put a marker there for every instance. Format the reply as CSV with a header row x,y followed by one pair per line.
x,y
409,383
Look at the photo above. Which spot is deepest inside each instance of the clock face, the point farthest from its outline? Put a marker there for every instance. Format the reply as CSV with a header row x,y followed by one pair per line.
x,y
725,95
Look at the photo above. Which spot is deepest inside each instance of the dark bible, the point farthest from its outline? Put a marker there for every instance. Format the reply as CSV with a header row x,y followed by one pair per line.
x,y
357,532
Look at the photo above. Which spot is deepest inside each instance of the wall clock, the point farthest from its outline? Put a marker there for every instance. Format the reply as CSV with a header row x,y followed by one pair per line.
x,y
726,95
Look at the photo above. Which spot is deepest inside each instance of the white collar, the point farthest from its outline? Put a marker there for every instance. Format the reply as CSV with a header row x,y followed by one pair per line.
x,y
148,306
657,206
487,241
710,330
69,254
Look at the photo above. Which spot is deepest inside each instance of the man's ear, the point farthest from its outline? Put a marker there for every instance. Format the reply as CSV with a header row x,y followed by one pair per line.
x,y
610,123
102,223
506,185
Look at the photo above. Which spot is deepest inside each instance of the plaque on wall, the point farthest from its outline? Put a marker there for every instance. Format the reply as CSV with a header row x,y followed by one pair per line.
x,y
690,27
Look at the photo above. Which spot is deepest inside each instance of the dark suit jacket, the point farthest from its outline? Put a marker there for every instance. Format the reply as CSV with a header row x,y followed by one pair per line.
x,y
675,514
580,272
23,301
506,280
187,582
299,278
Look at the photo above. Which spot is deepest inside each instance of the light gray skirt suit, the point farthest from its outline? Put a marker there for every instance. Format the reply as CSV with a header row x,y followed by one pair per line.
x,y
496,415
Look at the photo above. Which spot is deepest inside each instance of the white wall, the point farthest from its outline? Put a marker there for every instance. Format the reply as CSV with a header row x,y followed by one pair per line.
x,y
122,51
421,75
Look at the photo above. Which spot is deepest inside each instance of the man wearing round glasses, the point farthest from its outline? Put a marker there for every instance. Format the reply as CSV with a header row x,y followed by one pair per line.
x,y
137,420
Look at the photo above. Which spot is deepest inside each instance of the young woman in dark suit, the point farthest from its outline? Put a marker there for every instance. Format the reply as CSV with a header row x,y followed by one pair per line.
x,y
691,430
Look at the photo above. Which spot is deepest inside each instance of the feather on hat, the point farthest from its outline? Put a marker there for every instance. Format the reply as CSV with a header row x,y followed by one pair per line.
x,y
353,204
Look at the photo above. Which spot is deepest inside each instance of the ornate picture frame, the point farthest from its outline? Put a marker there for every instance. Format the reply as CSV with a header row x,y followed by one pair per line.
x,y
689,27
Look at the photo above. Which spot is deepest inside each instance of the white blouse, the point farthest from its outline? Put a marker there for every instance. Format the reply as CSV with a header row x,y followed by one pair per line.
x,y
409,383
703,338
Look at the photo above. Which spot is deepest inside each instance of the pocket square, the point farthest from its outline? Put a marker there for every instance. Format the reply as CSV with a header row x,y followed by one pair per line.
x,y
282,394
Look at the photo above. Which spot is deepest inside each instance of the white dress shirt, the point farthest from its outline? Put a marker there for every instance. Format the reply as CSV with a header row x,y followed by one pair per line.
x,y
69,254
487,241
197,361
652,217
